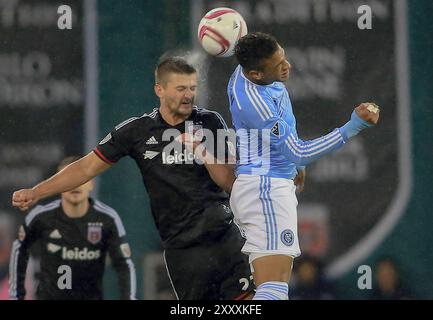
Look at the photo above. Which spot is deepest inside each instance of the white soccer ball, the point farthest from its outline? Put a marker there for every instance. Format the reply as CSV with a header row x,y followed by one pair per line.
x,y
219,30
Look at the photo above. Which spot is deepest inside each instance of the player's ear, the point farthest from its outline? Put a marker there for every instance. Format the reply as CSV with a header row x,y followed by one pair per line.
x,y
158,89
256,75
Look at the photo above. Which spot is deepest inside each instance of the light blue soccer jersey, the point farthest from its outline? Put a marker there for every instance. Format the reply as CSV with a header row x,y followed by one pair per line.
x,y
267,140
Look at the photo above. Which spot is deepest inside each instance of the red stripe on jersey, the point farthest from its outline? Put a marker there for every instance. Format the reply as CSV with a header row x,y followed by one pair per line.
x,y
101,156
242,296
218,13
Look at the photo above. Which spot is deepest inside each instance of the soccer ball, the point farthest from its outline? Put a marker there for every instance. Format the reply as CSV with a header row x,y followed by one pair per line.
x,y
219,30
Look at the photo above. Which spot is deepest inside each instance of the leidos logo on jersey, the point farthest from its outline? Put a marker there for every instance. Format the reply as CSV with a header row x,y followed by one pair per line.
x,y
177,157
77,254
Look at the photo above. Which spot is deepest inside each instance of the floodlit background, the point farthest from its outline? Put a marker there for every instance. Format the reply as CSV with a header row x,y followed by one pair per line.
x,y
368,205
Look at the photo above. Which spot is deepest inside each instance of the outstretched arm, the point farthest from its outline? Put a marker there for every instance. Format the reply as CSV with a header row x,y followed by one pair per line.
x,y
304,152
70,177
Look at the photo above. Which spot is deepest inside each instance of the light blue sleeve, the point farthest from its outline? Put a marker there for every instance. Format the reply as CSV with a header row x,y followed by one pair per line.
x,y
263,114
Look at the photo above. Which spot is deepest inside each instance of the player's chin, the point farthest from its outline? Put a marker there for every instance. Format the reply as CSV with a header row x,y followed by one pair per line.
x,y
185,108
284,77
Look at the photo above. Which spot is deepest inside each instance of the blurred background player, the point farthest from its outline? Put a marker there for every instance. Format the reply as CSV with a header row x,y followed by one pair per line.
x,y
75,231
6,239
263,196
201,243
389,284
310,282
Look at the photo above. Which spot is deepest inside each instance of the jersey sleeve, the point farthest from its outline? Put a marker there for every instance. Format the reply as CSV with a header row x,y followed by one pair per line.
x,y
263,115
120,253
28,234
118,143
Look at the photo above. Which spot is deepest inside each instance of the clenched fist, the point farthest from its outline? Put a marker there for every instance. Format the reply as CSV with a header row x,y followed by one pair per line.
x,y
368,112
24,199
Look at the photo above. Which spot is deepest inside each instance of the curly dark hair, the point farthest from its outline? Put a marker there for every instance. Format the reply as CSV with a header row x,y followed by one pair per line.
x,y
253,48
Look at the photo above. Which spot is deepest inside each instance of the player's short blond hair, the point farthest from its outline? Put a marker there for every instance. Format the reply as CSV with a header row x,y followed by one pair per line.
x,y
170,65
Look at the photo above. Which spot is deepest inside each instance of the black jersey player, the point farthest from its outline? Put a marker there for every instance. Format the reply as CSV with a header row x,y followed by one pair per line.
x,y
201,242
74,235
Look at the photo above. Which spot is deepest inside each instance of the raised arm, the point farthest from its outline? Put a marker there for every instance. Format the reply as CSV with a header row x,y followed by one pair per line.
x,y
303,152
70,177
283,136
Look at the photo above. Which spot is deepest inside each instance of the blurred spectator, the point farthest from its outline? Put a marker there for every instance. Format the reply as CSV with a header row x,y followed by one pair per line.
x,y
6,238
389,284
309,281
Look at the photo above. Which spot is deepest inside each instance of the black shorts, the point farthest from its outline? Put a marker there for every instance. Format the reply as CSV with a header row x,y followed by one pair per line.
x,y
211,271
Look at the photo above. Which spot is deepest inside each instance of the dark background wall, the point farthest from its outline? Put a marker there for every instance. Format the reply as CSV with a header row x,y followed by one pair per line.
x,y
409,241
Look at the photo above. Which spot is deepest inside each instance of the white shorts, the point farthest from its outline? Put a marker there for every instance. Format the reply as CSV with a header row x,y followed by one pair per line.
x,y
265,211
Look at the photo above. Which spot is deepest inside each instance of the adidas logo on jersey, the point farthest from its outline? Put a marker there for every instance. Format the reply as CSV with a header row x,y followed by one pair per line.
x,y
55,234
152,140
53,247
150,154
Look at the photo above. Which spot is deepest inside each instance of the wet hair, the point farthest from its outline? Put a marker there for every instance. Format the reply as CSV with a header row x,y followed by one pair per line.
x,y
253,48
170,65
67,161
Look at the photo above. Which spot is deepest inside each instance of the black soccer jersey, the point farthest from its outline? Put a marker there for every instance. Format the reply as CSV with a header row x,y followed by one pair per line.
x,y
179,188
73,252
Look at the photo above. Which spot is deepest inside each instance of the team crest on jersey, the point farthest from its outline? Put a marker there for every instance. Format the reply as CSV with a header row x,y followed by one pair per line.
x,y
197,130
94,232
277,129
287,237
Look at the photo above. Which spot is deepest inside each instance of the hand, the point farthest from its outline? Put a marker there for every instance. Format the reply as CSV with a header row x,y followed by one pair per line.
x,y
188,140
368,112
196,147
300,181
24,199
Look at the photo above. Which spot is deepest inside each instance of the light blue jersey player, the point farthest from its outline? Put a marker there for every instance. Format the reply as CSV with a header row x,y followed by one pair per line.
x,y
270,153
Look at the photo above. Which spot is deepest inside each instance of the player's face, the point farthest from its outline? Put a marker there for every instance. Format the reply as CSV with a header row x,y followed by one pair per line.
x,y
78,195
179,93
276,68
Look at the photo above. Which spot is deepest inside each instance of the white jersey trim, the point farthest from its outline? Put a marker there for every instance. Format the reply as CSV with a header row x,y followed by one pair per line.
x,y
101,207
40,209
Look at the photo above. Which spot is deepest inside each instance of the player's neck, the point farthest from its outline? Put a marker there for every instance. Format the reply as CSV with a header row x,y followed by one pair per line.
x,y
75,210
171,118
